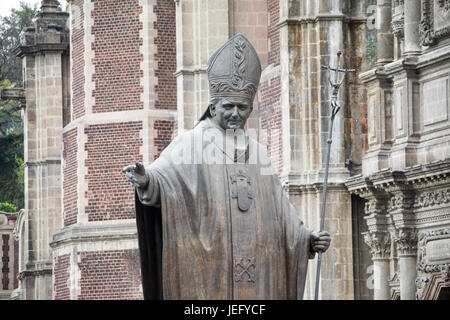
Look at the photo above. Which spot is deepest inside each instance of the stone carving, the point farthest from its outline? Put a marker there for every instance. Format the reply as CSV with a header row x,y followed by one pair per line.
x,y
444,4
19,224
398,19
370,206
375,206
426,33
406,241
430,33
379,243
445,272
401,201
432,198
421,283
429,235
424,269
398,26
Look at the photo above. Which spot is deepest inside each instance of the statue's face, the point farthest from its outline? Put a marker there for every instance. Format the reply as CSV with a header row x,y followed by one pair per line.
x,y
231,112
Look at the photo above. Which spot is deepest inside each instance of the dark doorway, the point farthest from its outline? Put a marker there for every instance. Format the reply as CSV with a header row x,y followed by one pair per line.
x,y
444,294
362,262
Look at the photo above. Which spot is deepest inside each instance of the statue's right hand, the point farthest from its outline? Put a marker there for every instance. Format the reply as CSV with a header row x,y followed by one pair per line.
x,y
136,175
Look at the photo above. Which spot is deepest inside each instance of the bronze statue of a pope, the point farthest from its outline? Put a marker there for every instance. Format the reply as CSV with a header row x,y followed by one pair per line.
x,y
213,219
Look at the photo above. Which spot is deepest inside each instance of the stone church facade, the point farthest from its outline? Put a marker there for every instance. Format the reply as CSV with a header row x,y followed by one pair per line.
x,y
113,81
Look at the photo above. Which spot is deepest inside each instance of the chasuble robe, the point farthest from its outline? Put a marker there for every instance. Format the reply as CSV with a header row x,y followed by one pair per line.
x,y
215,223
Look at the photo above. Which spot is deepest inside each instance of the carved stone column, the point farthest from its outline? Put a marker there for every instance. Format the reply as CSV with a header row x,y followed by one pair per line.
x,y
398,24
401,210
385,48
412,21
406,240
44,51
398,18
378,239
380,245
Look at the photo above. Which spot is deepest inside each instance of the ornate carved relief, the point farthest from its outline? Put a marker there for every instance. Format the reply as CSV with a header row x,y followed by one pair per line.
x,y
433,28
375,206
444,4
398,19
401,201
432,198
445,272
426,270
421,284
379,243
406,240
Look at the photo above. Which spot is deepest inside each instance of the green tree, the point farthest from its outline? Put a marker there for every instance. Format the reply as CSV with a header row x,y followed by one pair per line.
x,y
7,207
11,125
11,169
10,29
10,114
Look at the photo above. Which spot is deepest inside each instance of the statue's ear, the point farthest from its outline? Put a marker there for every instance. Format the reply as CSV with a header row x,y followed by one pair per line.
x,y
212,109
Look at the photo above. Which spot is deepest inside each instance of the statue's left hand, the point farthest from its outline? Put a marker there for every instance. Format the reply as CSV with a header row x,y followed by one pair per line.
x,y
320,241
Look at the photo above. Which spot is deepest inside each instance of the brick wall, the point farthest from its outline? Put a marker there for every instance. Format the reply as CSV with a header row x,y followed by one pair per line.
x,y
117,31
270,119
110,275
270,92
109,148
273,6
164,135
165,42
117,58
77,51
70,208
62,275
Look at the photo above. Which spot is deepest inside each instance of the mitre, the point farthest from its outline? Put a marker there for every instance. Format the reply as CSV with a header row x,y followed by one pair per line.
x,y
233,70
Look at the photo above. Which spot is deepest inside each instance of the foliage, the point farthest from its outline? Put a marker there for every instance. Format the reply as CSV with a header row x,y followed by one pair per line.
x,y
11,173
10,114
11,125
10,28
7,207
11,66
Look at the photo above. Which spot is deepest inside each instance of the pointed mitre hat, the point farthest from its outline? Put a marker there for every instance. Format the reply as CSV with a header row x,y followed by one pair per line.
x,y
233,70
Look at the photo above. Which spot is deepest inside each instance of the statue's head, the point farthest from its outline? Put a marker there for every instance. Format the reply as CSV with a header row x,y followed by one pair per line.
x,y
234,71
230,112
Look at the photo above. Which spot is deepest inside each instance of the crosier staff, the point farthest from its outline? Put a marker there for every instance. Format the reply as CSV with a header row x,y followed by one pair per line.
x,y
335,85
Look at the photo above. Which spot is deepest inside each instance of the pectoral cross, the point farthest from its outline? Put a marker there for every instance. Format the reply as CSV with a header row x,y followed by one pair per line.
x,y
339,75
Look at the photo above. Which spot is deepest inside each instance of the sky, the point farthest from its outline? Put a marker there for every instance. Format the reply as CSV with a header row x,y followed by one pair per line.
x,y
7,5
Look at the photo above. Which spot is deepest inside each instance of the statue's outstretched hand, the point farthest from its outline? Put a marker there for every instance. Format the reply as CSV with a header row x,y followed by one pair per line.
x,y
320,241
136,175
